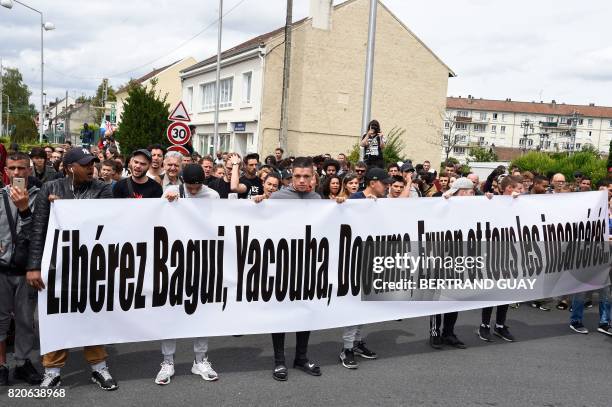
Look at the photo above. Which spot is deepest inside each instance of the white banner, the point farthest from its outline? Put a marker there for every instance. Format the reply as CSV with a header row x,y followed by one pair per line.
x,y
138,270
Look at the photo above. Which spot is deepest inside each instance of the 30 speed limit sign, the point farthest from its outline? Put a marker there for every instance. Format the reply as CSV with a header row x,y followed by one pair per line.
x,y
178,133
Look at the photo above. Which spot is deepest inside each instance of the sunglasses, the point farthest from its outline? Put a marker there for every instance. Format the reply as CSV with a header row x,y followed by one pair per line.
x,y
359,171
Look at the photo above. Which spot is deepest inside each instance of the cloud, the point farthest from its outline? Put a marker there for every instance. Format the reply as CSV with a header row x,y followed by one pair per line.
x,y
520,50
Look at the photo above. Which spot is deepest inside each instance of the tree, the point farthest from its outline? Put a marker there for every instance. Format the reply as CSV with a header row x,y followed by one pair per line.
x,y
21,117
456,131
482,155
610,156
98,100
144,120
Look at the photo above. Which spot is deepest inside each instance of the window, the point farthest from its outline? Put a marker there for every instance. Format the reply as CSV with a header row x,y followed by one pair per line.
x,y
459,150
523,141
461,126
590,133
446,125
465,113
225,98
503,117
580,122
207,96
494,128
610,123
481,140
590,122
480,128
189,98
461,138
446,137
207,91
530,142
578,146
502,129
550,119
247,78
483,115
494,116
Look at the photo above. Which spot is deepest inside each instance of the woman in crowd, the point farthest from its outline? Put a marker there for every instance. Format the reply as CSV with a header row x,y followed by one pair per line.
x,y
332,187
350,185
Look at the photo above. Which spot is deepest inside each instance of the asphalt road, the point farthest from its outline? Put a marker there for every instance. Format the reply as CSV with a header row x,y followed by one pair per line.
x,y
548,366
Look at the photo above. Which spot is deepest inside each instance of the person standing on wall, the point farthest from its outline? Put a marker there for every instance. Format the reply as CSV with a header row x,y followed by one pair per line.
x,y
374,143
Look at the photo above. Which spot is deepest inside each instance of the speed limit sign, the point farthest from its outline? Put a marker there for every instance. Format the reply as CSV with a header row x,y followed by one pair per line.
x,y
178,133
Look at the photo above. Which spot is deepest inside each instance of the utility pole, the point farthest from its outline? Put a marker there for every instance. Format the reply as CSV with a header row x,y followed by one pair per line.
x,y
369,74
527,127
66,117
284,123
55,121
218,81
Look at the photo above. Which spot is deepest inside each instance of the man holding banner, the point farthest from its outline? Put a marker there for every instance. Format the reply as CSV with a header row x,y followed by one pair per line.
x,y
302,176
78,184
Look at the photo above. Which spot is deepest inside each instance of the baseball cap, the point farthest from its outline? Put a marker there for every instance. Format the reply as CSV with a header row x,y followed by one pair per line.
x,y
80,156
460,183
144,152
193,174
378,174
407,167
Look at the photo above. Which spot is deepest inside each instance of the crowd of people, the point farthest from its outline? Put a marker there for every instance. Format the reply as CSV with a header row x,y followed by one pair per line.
x,y
66,172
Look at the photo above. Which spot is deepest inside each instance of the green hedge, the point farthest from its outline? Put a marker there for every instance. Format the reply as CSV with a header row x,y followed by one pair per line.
x,y
587,162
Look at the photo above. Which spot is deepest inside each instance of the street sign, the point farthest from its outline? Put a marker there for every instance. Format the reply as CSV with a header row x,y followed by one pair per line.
x,y
180,149
240,126
179,113
178,133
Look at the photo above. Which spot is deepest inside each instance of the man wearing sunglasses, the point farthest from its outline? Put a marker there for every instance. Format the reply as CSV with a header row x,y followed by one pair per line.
x,y
360,170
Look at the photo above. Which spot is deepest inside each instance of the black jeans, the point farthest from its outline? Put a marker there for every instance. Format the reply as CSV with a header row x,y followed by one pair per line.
x,y
450,318
500,316
301,346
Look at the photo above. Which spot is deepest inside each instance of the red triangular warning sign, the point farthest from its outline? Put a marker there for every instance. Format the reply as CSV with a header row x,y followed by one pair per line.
x,y
179,113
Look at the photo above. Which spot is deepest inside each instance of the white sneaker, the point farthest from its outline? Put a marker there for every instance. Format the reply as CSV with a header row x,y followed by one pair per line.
x,y
165,373
205,370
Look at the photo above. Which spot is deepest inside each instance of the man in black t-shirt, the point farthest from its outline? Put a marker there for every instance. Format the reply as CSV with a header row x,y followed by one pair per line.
x,y
250,179
138,185
224,185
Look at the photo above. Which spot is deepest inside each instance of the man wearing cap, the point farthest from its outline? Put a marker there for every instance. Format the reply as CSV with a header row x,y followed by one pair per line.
x,y
410,191
138,185
461,187
192,187
377,182
78,184
286,178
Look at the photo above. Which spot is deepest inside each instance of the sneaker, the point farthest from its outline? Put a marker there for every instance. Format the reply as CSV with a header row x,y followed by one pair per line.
x,y
50,380
577,326
605,329
484,333
28,373
562,305
504,333
453,341
165,374
4,375
539,305
104,379
205,370
308,367
280,373
347,357
360,350
435,342
588,304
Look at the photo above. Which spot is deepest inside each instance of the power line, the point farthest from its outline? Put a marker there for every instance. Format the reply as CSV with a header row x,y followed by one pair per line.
x,y
118,74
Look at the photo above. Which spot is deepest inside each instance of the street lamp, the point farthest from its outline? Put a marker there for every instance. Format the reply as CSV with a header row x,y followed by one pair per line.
x,y
43,27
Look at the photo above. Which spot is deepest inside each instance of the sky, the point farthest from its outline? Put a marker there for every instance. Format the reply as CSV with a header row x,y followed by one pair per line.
x,y
527,50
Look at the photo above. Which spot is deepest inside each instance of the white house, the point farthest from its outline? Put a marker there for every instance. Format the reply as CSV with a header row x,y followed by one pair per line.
x,y
239,104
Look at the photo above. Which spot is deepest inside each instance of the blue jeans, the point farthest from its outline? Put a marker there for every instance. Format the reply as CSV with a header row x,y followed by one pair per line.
x,y
604,306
